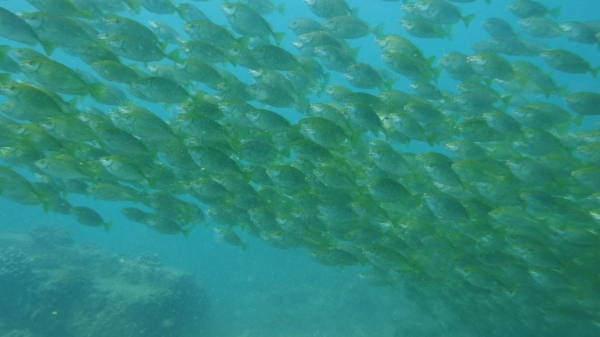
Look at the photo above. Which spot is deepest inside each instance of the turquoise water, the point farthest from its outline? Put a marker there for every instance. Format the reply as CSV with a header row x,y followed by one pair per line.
x,y
265,291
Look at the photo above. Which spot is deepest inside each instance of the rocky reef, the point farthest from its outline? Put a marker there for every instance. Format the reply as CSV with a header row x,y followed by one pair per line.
x,y
52,286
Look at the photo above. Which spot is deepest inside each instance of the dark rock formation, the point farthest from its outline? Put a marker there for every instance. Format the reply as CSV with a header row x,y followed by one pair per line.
x,y
51,286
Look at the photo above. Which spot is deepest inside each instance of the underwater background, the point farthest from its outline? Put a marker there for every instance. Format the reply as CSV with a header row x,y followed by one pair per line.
x,y
269,291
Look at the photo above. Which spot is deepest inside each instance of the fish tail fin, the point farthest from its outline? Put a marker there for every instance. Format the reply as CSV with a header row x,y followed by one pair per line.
x,y
5,78
72,105
95,90
181,11
431,140
447,32
467,19
577,119
278,37
134,5
243,41
47,202
164,45
233,60
48,47
429,61
387,85
594,71
562,91
562,128
245,245
108,225
555,11
303,104
281,9
506,100
174,55
326,78
378,30
306,67
186,232
86,13
286,152
435,73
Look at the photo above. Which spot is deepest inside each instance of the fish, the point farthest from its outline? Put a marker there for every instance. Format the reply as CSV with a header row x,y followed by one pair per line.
x,y
246,21
159,6
440,12
87,216
134,48
497,27
228,236
327,9
13,27
161,89
566,61
61,30
529,8
165,32
424,29
348,27
115,71
55,76
264,7
538,26
578,32
492,65
583,103
301,26
124,26
210,32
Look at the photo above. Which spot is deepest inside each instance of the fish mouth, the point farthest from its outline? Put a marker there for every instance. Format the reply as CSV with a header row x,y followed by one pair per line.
x,y
41,164
255,73
524,23
565,27
381,42
423,6
316,108
321,52
184,121
106,162
408,25
228,9
47,126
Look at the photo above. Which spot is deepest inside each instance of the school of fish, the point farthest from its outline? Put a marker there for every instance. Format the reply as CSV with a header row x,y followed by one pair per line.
x,y
494,231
